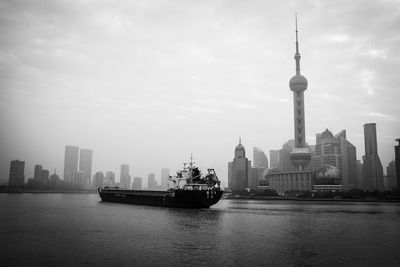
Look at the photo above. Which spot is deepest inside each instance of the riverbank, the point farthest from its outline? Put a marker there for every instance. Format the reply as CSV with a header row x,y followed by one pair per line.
x,y
310,199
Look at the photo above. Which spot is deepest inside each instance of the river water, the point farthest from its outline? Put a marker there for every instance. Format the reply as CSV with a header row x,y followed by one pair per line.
x,y
80,230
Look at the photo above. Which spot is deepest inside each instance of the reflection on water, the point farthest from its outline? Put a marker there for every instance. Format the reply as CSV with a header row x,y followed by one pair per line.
x,y
78,229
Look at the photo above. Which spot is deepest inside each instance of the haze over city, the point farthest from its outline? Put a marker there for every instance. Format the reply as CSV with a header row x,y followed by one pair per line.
x,y
149,83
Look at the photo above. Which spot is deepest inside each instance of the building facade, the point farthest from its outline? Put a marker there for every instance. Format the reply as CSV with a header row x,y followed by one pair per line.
x,y
164,178
98,179
137,183
397,163
372,167
70,162
260,160
17,173
85,165
238,169
125,178
274,159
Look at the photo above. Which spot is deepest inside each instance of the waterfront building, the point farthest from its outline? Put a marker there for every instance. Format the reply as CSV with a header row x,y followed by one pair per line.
x,y
36,173
164,178
359,167
151,181
137,183
389,180
274,159
44,176
98,179
238,169
397,163
260,160
109,179
85,165
372,166
17,173
54,179
125,178
70,162
285,164
339,152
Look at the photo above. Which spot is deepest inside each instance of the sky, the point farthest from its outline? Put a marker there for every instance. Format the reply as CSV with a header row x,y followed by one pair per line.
x,y
148,83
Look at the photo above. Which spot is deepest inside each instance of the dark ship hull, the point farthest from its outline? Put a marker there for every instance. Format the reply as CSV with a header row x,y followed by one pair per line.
x,y
177,198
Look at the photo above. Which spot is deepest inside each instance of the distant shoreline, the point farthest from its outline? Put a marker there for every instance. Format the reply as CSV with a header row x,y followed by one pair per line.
x,y
312,199
47,192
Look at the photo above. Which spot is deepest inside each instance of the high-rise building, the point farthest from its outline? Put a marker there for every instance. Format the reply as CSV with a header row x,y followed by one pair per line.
x,y
238,169
70,162
260,160
397,162
85,164
151,182
389,180
339,152
274,159
349,168
372,166
137,183
109,179
54,179
359,167
300,155
285,163
17,175
125,178
44,176
98,179
36,174
164,178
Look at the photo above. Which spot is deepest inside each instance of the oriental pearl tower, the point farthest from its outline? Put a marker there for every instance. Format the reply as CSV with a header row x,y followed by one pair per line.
x,y
300,156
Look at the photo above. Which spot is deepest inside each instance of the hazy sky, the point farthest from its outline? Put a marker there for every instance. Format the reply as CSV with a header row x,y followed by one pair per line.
x,y
149,82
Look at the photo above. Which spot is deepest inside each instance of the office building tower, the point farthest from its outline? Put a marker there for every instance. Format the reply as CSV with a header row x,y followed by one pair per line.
x,y
285,163
151,181
164,178
397,163
339,152
260,160
125,178
17,175
98,179
238,169
85,165
389,180
274,159
54,179
44,176
109,179
300,156
137,183
70,162
36,173
372,166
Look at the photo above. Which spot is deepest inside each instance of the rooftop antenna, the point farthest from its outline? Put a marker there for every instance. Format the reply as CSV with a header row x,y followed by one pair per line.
x,y
297,55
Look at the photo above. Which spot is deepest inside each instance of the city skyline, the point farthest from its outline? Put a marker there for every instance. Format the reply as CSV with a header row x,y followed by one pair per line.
x,y
226,64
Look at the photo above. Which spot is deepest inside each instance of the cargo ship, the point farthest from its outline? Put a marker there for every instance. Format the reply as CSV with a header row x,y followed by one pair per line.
x,y
191,189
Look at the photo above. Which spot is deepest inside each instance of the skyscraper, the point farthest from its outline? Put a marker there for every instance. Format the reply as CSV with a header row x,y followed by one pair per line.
x,y
300,155
85,165
389,180
349,168
397,162
238,169
17,175
109,179
36,174
260,160
372,167
164,178
125,178
98,179
274,158
151,181
70,162
44,176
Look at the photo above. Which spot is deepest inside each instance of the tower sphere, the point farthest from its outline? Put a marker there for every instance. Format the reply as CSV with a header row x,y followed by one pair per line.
x,y
298,83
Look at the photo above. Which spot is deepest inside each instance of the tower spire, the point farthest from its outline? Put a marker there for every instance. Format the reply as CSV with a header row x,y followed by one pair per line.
x,y
297,55
240,140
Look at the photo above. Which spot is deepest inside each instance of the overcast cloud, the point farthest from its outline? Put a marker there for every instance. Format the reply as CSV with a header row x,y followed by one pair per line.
x,y
149,82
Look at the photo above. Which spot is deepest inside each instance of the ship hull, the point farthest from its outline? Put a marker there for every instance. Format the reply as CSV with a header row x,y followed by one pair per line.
x,y
177,198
